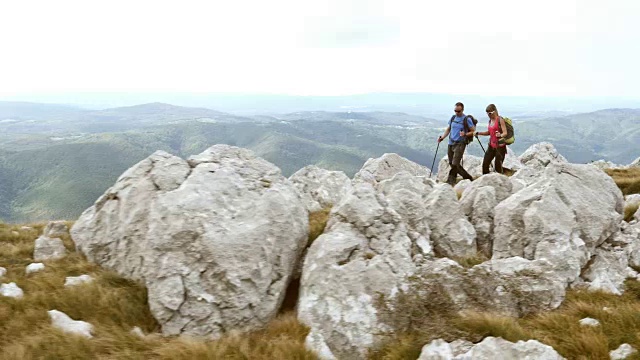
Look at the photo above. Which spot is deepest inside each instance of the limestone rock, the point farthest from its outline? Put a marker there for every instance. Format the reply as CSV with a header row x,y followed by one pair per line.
x,y
512,287
563,217
55,229
436,350
589,322
189,229
49,249
461,186
77,280
3,271
608,270
34,267
320,188
622,352
366,249
541,155
386,166
63,322
11,290
113,232
478,204
452,234
497,348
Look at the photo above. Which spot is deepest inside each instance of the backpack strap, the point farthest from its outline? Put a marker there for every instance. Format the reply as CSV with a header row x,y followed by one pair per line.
x,y
465,125
451,120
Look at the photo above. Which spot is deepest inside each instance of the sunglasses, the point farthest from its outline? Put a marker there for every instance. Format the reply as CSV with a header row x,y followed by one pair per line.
x,y
457,111
490,112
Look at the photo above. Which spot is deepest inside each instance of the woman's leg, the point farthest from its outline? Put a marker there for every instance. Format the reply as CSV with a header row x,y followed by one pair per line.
x,y
500,154
488,157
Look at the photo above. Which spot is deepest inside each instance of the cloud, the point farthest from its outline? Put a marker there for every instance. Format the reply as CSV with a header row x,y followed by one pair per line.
x,y
333,47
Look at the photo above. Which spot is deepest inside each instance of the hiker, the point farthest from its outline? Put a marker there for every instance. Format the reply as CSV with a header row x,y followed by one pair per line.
x,y
496,131
460,129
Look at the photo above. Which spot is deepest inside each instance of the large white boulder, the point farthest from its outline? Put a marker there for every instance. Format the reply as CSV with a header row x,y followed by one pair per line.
x,y
452,234
215,238
367,249
385,167
320,188
563,217
48,249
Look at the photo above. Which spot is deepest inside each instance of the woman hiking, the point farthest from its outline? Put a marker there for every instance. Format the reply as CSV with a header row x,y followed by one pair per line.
x,y
497,129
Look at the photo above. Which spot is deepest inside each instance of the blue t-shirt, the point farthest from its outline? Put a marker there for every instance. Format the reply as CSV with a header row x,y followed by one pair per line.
x,y
457,126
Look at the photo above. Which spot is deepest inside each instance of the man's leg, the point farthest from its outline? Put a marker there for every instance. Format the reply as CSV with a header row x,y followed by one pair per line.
x,y
488,158
500,154
458,152
453,173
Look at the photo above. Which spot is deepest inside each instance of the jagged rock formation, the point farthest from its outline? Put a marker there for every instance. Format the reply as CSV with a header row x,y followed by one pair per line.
x,y
217,238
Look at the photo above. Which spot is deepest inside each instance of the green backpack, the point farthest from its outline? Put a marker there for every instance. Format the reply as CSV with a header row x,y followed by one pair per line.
x,y
510,139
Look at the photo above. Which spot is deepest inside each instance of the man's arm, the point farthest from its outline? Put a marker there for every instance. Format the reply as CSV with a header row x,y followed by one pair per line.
x,y
446,133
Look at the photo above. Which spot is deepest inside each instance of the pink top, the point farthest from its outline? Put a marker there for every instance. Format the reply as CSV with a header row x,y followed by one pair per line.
x,y
493,139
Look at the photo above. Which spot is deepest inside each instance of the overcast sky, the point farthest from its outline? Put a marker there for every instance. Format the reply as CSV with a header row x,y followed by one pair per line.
x,y
300,47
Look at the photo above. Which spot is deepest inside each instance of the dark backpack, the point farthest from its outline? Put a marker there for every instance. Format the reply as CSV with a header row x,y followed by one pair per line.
x,y
469,138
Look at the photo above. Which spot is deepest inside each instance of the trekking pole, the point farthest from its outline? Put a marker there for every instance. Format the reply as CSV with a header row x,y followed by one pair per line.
x,y
434,159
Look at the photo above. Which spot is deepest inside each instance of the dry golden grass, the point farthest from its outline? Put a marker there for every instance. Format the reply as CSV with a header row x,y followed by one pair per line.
x,y
114,306
619,317
317,223
628,180
469,262
629,211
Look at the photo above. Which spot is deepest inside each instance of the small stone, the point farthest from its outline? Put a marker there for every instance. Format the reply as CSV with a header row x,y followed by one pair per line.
x,y
11,290
589,322
34,267
15,233
436,350
3,272
47,248
77,280
623,352
26,228
138,332
63,322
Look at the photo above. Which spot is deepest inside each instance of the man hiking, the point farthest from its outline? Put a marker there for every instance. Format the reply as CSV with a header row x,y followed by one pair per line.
x,y
458,133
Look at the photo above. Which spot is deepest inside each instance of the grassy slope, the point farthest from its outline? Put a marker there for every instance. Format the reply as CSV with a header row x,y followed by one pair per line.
x,y
114,306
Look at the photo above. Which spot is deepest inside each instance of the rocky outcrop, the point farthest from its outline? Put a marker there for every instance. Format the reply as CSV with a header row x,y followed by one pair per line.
x,y
624,351
367,249
562,217
386,166
320,188
188,229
